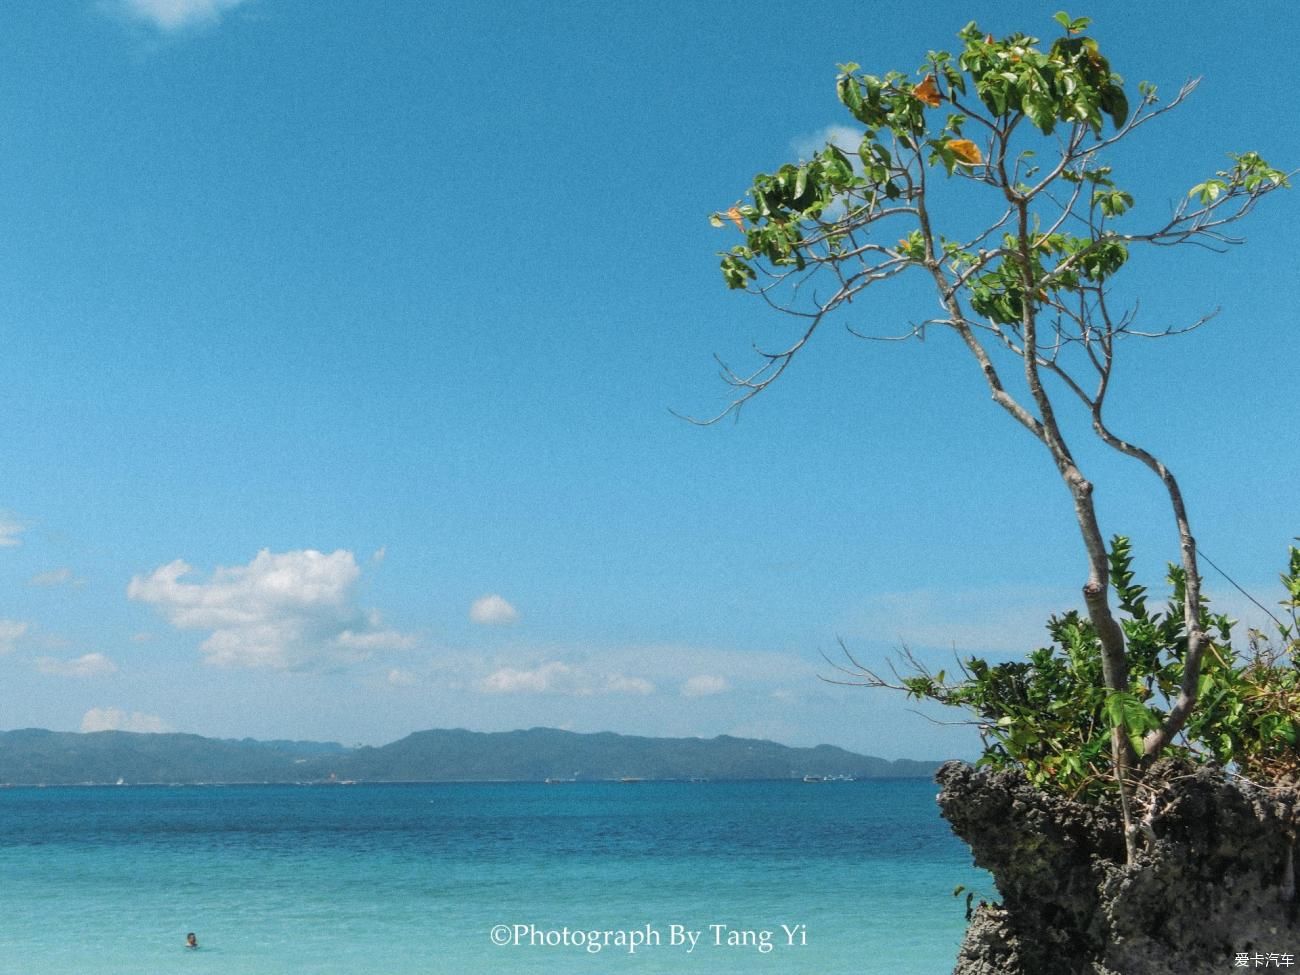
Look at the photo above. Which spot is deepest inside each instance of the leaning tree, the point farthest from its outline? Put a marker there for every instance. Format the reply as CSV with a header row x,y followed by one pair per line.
x,y
1021,133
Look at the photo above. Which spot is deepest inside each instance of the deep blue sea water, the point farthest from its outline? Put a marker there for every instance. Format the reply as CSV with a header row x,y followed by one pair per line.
x,y
405,879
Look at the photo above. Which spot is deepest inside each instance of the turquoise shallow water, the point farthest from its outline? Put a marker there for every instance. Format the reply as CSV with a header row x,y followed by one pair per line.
x,y
404,879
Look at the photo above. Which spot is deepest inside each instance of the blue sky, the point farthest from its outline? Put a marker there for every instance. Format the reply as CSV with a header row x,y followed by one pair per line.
x,y
340,344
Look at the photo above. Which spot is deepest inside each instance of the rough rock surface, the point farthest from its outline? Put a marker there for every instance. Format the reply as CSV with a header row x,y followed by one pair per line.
x,y
1215,876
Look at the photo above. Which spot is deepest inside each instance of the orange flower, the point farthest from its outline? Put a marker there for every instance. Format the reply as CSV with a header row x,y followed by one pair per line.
x,y
966,151
928,92
734,214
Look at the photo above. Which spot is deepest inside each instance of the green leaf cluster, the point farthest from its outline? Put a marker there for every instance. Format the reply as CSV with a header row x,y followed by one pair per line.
x,y
1070,82
1051,714
882,103
1249,173
1017,238
784,202
1057,263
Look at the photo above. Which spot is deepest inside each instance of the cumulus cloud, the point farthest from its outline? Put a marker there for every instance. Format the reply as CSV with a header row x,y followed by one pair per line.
x,y
115,719
375,636
556,677
843,137
683,671
286,611
492,610
618,684
55,577
704,685
10,633
992,619
87,665
10,531
540,680
402,678
171,15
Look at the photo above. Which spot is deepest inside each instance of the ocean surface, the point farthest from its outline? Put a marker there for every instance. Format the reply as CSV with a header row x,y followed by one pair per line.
x,y
788,877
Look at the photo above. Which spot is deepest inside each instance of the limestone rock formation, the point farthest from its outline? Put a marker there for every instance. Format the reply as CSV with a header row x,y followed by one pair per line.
x,y
1215,878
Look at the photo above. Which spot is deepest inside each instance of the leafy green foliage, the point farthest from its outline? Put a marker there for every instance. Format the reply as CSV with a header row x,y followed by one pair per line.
x,y
811,212
985,170
1249,172
1071,82
999,295
1051,714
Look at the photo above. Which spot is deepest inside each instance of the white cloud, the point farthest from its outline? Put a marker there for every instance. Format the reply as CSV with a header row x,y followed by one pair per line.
x,y
682,670
996,619
88,665
618,684
55,577
508,680
286,611
676,663
115,719
704,685
402,678
170,15
556,677
843,137
10,632
492,610
10,530
377,639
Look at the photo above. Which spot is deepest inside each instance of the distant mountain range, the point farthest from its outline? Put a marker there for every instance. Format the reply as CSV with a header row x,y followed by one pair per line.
x,y
37,757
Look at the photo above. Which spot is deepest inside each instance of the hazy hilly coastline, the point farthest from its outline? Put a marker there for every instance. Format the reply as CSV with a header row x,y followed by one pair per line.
x,y
38,757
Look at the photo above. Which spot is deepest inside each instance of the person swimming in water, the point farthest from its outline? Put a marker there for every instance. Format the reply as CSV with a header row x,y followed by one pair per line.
x,y
191,941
